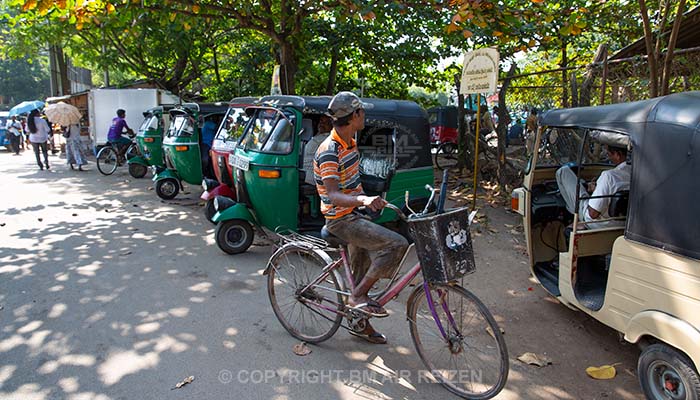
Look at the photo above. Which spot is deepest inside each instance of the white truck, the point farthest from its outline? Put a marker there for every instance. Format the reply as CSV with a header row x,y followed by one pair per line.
x,y
104,103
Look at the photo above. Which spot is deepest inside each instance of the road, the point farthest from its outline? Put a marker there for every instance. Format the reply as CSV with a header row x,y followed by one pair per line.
x,y
107,292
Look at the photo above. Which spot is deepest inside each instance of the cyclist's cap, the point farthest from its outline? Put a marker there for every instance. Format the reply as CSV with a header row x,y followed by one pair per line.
x,y
344,104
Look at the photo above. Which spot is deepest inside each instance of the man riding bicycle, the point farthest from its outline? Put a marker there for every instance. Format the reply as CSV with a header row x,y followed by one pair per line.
x,y
374,250
115,133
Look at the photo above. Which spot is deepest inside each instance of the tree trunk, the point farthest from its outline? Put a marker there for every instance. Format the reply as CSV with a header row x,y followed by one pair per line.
x,y
502,128
590,76
333,71
564,77
288,67
216,67
463,143
668,61
651,54
574,90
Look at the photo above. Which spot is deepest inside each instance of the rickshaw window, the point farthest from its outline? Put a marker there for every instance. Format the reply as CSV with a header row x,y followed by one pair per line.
x,y
149,123
181,126
559,146
269,132
234,125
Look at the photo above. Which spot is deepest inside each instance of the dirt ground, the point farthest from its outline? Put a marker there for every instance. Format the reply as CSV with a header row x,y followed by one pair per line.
x,y
107,292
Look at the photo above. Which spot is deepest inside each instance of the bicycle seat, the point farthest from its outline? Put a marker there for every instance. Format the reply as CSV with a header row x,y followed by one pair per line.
x,y
332,240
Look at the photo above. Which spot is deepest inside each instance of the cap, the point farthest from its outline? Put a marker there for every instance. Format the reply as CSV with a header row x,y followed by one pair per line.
x,y
344,104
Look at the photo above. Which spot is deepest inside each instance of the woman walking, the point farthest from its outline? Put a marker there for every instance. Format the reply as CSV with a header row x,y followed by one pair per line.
x,y
38,136
74,148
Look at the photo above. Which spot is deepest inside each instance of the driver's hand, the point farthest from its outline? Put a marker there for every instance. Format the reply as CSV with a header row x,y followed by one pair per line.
x,y
591,187
374,203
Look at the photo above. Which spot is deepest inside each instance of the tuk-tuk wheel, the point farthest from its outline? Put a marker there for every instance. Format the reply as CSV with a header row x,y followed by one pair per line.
x,y
210,211
234,236
666,373
167,188
137,170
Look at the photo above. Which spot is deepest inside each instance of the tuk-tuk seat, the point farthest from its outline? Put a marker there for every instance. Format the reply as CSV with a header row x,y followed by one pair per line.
x,y
618,204
332,240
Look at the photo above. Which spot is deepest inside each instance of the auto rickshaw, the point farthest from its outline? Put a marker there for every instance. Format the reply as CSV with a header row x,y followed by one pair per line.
x,y
184,152
222,148
149,140
443,125
640,274
274,182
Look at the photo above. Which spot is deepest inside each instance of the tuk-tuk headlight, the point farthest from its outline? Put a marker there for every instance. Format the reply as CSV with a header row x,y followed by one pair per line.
x,y
222,202
209,184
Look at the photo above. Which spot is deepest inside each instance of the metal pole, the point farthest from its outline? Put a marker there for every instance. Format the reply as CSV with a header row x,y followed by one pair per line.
x,y
476,145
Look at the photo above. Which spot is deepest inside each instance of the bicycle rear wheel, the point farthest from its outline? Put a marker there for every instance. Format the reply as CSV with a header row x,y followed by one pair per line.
x,y
470,359
312,315
107,160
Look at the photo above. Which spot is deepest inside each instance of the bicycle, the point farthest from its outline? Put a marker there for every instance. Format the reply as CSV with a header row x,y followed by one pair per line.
x,y
446,155
109,157
308,296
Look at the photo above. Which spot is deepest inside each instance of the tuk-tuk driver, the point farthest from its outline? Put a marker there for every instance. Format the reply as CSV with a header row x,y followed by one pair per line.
x,y
608,183
374,250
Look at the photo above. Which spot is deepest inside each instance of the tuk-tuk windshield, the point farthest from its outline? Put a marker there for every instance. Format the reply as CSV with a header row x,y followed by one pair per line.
x,y
559,146
182,125
270,131
234,125
149,123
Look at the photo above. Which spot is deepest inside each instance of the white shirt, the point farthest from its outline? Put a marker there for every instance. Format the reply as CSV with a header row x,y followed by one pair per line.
x,y
609,182
14,127
42,131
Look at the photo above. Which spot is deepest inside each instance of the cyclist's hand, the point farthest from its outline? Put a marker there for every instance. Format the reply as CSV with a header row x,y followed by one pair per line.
x,y
374,203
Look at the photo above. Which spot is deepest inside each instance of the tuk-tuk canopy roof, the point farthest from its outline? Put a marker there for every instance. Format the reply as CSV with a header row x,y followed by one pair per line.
x,y
678,109
410,119
201,108
665,136
158,109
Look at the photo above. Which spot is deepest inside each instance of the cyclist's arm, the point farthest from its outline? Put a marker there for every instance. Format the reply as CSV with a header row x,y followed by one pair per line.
x,y
341,199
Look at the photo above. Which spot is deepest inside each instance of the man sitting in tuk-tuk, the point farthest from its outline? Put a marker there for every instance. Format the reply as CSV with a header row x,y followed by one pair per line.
x,y
608,183
374,250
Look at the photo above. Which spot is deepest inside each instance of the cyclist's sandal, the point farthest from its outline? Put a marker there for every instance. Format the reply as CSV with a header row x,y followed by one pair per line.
x,y
364,308
374,337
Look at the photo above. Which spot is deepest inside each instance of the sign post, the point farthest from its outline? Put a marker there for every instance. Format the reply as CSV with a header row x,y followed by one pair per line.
x,y
479,75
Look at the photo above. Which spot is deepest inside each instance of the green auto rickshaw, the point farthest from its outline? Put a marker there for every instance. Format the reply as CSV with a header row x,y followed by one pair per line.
x,y
186,147
149,140
274,172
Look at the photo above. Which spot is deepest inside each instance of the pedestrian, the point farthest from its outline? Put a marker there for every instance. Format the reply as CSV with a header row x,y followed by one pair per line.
x,y
75,154
38,136
531,131
14,130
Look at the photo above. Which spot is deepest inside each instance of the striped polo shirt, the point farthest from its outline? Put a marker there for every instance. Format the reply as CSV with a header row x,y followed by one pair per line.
x,y
337,160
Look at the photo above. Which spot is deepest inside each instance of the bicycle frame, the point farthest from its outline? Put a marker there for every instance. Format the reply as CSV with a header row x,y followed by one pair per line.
x,y
392,292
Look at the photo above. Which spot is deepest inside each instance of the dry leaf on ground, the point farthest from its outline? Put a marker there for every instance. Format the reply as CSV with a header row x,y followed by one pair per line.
x,y
184,382
535,359
301,349
602,372
490,331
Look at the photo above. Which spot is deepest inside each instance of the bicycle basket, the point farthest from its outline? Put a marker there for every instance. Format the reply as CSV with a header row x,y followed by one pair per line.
x,y
443,245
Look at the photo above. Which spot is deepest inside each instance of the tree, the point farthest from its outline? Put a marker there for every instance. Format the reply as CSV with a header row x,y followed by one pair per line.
x,y
24,79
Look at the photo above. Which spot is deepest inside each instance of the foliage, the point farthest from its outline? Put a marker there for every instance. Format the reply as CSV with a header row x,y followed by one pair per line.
x,y
24,79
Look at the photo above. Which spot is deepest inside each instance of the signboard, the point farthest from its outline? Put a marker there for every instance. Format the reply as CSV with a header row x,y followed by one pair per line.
x,y
480,72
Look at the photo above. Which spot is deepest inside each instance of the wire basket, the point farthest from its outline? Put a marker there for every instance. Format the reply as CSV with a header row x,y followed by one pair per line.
x,y
443,245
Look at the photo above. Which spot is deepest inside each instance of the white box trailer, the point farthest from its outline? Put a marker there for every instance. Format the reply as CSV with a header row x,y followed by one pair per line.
x,y
104,103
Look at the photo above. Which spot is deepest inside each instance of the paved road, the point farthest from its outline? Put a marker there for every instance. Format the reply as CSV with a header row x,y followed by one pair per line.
x,y
106,292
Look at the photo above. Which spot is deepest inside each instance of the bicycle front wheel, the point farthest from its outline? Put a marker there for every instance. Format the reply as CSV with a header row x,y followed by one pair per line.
x,y
132,151
107,160
311,315
468,356
446,156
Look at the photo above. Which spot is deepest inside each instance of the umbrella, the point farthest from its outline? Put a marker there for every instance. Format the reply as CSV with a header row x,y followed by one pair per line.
x,y
25,107
63,114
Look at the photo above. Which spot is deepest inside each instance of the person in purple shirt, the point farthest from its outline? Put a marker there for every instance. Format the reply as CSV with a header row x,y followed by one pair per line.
x,y
115,132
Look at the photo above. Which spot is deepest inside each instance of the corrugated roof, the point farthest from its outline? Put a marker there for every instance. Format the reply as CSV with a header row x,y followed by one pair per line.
x,y
688,36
